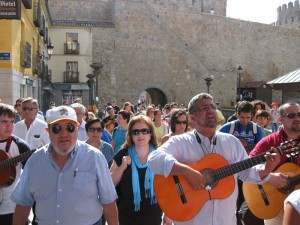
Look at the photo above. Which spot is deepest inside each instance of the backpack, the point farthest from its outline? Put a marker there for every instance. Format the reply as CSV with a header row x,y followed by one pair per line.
x,y
254,130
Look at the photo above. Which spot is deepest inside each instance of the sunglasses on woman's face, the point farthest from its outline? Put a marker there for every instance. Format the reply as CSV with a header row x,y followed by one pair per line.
x,y
57,128
181,122
94,129
143,131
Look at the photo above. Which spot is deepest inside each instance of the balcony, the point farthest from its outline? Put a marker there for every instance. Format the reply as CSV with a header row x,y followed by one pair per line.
x,y
25,56
72,48
27,4
43,27
37,14
37,64
71,77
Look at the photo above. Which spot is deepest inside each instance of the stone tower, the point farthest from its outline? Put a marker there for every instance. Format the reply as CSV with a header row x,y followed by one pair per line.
x,y
289,15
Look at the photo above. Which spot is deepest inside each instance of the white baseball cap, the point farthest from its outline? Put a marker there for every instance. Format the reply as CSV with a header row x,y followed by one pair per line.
x,y
61,113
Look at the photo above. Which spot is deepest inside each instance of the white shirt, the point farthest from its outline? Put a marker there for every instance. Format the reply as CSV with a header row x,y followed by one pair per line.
x,y
36,136
185,148
294,200
82,135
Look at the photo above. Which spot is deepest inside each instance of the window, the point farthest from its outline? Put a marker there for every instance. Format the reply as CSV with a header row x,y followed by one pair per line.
x,y
72,41
71,74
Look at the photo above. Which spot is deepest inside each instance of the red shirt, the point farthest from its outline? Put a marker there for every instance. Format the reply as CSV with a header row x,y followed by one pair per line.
x,y
273,140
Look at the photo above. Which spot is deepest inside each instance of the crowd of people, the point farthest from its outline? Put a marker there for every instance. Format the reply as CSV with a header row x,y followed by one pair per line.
x,y
77,168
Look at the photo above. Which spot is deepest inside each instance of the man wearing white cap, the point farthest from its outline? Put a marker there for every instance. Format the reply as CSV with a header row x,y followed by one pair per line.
x,y
68,179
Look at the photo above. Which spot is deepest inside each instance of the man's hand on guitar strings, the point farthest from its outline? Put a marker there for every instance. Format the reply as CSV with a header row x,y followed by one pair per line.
x,y
195,179
279,180
272,160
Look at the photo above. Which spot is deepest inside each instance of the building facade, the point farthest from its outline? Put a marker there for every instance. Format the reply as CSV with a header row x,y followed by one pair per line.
x,y
23,46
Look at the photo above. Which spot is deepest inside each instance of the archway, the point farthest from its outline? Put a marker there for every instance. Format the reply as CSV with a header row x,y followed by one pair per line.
x,y
153,96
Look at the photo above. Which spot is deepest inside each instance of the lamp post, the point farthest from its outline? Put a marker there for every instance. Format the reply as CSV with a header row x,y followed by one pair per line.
x,y
97,67
239,71
91,84
44,77
208,81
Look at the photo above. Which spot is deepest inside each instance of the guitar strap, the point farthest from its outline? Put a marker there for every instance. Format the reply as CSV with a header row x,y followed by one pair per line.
x,y
8,143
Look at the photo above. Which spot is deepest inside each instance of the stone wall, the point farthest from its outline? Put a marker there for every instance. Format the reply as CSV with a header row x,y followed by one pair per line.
x,y
176,49
87,10
171,46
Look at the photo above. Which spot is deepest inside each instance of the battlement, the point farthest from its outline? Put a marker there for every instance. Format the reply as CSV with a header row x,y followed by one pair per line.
x,y
289,14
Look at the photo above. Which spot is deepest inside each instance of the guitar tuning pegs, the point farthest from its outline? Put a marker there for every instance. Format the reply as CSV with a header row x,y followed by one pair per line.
x,y
288,155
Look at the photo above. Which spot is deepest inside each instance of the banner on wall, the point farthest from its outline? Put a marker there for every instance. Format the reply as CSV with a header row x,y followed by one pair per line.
x,y
10,9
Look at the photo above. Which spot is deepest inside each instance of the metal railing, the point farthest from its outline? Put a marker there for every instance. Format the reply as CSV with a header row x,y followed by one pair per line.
x,y
71,77
71,47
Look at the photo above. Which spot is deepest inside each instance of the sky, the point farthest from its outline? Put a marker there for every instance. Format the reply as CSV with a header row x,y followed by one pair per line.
x,y
262,11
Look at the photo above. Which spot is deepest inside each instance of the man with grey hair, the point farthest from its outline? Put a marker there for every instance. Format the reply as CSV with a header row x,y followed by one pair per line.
x,y
196,147
31,129
81,113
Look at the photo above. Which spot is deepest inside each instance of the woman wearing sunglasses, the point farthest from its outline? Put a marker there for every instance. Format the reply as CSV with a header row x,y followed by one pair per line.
x,y
178,123
132,177
94,129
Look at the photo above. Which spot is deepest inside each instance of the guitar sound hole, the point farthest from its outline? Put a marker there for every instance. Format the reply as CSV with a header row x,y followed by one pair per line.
x,y
209,177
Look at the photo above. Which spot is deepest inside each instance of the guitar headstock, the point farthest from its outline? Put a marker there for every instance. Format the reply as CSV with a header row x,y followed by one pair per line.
x,y
291,147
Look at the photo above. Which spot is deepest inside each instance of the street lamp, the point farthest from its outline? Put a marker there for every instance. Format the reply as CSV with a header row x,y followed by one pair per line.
x,y
97,67
91,84
208,81
50,48
239,71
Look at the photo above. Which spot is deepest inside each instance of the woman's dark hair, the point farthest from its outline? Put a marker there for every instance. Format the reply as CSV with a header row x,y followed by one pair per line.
x,y
155,112
174,115
91,122
125,115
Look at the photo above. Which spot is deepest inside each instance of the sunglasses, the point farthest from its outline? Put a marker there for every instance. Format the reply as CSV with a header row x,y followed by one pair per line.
x,y
181,122
57,128
28,108
143,131
17,105
292,115
94,129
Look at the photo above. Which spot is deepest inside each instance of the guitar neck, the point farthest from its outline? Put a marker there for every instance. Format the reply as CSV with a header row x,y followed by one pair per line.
x,y
294,180
240,166
15,160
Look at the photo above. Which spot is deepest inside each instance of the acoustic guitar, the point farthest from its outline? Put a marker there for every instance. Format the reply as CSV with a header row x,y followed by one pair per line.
x,y
8,166
180,202
247,147
265,201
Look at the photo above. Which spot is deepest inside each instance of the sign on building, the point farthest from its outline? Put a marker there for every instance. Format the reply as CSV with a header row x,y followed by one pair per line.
x,y
10,9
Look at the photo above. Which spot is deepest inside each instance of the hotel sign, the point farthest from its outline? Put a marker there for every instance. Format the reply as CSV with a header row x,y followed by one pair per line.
x,y
10,9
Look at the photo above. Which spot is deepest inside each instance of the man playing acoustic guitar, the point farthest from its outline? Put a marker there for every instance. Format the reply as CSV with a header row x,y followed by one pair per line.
x,y
205,191
289,116
10,147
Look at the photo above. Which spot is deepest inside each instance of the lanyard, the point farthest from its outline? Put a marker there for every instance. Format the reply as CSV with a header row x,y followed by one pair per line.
x,y
8,142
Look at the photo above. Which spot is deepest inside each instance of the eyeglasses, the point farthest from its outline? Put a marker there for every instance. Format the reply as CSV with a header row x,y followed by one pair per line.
x,y
94,129
181,122
143,131
28,108
57,128
292,115
17,105
205,108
